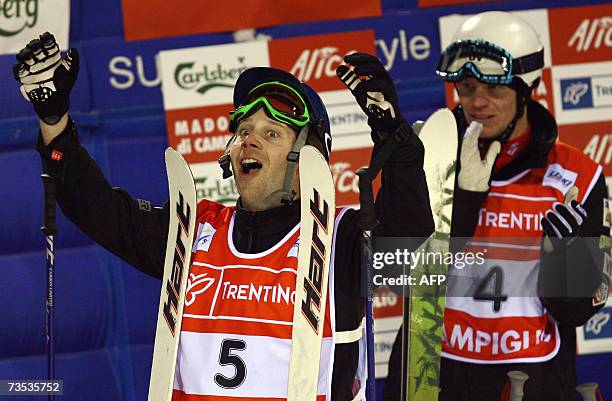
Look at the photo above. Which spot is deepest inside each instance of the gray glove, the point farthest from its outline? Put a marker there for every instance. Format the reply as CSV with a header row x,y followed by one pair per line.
x,y
46,80
475,172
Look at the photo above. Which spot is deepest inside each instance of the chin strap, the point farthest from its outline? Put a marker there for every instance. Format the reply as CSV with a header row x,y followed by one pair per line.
x,y
523,94
286,194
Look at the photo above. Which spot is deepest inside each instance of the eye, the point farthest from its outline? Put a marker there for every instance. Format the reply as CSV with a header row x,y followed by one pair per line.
x,y
497,90
242,132
465,88
273,134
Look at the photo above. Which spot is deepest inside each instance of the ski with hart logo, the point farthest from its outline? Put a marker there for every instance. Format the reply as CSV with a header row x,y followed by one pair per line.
x,y
176,270
424,314
318,209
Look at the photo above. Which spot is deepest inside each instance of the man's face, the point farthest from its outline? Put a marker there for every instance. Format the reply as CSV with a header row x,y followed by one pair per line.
x,y
493,106
261,141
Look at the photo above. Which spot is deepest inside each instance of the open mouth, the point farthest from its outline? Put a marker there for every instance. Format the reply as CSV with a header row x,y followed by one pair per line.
x,y
250,164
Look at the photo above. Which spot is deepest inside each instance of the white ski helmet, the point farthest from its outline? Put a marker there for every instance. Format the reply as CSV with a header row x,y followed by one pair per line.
x,y
494,46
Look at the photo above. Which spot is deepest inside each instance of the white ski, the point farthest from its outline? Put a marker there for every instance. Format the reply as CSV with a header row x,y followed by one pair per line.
x,y
176,271
423,335
318,201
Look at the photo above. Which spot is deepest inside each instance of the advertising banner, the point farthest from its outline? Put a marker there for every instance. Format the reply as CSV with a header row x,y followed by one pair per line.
x,y
583,92
22,20
581,34
159,18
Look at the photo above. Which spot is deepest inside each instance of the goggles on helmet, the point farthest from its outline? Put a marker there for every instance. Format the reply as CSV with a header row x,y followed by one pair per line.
x,y
280,101
486,61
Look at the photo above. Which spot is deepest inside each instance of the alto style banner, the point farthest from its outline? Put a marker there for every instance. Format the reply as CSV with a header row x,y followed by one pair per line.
x,y
161,18
581,34
593,138
23,20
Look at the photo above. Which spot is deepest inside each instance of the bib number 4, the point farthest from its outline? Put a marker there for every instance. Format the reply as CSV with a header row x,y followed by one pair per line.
x,y
228,357
493,280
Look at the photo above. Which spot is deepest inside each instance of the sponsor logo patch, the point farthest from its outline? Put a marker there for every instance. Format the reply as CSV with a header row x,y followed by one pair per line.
x,y
197,284
144,205
293,252
206,232
56,155
559,178
577,93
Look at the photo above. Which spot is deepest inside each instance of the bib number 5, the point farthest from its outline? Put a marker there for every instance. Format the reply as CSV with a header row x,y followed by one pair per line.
x,y
226,357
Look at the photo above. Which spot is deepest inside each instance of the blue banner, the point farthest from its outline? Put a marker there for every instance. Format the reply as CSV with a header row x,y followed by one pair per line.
x,y
127,74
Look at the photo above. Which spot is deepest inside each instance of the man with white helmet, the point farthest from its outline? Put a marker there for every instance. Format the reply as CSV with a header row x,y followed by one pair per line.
x,y
542,274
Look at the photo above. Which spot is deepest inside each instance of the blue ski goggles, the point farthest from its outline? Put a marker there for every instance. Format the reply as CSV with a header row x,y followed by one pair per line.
x,y
485,61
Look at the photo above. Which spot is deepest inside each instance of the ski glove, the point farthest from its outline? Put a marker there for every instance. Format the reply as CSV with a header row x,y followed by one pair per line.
x,y
46,79
375,92
563,224
475,173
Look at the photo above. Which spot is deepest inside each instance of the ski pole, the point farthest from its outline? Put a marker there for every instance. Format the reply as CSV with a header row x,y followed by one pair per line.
x,y
49,229
517,384
588,391
367,223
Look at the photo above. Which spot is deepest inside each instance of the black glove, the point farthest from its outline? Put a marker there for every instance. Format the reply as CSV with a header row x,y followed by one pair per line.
x,y
375,93
564,223
46,79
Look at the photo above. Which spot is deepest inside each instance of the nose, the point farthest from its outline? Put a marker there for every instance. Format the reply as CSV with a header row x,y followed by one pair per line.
x,y
251,140
480,98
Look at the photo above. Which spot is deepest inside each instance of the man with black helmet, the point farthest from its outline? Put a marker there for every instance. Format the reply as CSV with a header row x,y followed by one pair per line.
x,y
534,205
253,243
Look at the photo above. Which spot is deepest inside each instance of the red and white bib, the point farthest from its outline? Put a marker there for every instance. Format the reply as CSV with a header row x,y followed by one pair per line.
x,y
237,322
494,314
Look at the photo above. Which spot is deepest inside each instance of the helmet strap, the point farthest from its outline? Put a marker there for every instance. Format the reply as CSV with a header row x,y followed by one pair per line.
x,y
286,195
523,94
224,161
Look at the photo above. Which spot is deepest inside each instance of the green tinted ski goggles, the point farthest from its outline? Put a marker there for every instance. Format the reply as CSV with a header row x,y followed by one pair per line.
x,y
280,101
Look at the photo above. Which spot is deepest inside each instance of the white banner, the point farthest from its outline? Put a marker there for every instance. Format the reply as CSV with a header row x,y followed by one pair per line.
x,y
24,20
205,76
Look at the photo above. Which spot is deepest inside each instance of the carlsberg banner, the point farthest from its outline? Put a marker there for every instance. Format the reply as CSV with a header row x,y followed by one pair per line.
x,y
22,20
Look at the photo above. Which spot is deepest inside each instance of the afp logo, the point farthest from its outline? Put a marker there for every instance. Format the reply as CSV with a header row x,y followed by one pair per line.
x,y
577,93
